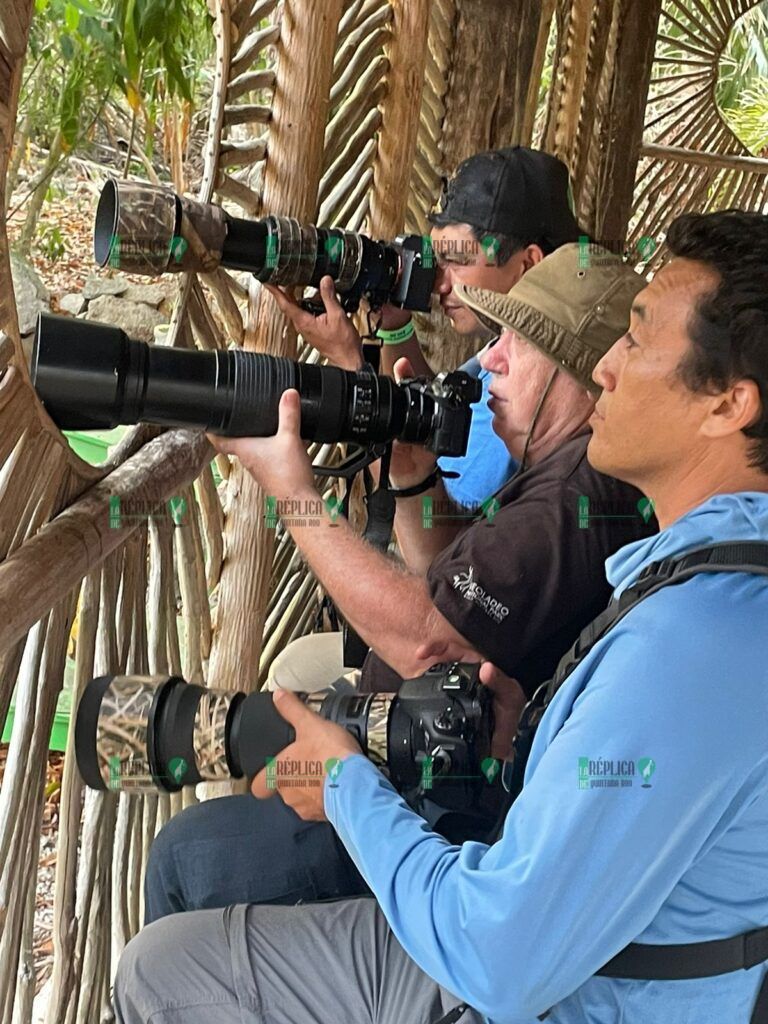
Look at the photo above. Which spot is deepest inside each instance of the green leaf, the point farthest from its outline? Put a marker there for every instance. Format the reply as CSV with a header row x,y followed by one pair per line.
x,y
131,42
71,17
71,102
67,48
86,7
154,22
176,79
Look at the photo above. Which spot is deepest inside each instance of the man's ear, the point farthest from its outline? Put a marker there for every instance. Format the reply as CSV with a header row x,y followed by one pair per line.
x,y
734,410
533,254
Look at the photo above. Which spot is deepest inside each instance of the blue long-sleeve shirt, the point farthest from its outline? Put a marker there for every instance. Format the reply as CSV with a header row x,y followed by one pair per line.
x,y
680,685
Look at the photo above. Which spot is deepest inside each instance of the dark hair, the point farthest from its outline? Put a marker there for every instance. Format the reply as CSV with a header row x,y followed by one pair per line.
x,y
507,246
729,327
503,247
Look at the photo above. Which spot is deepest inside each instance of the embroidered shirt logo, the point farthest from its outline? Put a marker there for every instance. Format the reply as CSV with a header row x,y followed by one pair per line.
x,y
471,590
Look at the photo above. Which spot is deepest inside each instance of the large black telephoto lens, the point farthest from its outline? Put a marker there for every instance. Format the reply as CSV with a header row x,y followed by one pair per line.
x,y
147,229
92,376
432,738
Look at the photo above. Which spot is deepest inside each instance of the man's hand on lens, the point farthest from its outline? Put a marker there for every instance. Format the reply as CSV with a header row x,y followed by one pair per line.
x,y
332,333
508,703
411,463
298,773
279,464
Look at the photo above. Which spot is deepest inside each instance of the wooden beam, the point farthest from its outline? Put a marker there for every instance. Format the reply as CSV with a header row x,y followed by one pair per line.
x,y
400,110
34,578
496,50
291,178
617,126
15,20
724,161
572,61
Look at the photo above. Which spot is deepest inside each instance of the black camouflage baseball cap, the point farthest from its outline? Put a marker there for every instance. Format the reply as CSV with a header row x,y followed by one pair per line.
x,y
518,191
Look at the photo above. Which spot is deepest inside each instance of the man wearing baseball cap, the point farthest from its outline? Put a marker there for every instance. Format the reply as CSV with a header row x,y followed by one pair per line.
x,y
512,590
500,214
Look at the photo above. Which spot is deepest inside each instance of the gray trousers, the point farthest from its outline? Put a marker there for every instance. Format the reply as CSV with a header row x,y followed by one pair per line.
x,y
320,963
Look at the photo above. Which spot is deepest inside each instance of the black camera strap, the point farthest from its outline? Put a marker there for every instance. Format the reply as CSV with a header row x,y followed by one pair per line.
x,y
380,508
641,961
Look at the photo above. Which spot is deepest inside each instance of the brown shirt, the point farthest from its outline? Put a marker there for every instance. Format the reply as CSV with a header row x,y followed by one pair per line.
x,y
521,586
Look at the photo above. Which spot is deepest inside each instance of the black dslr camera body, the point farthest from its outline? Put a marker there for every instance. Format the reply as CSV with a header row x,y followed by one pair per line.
x,y
432,738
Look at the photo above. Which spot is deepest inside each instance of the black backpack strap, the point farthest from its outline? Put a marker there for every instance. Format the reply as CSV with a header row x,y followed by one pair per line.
x,y
748,557
696,960
691,960
380,506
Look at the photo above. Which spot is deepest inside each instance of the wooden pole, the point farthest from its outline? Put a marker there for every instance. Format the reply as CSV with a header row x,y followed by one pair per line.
x,y
574,21
401,109
15,18
497,44
617,126
291,178
34,577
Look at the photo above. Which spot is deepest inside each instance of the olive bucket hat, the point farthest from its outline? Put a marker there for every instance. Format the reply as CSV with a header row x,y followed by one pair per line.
x,y
573,306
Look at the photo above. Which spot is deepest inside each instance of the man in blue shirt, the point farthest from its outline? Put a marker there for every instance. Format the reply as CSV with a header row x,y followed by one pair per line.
x,y
678,689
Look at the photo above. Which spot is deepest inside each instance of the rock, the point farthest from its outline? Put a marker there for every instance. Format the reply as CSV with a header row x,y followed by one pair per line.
x,y
32,297
98,284
73,303
135,318
152,294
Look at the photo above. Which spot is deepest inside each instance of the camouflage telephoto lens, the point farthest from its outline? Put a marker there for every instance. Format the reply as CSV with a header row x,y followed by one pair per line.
x,y
144,733
138,734
115,748
147,229
432,739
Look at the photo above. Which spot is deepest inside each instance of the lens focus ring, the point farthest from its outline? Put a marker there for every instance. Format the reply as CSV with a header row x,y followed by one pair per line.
x,y
259,383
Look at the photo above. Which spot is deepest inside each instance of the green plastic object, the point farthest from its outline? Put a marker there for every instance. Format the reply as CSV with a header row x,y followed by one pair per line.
x,y
93,445
60,727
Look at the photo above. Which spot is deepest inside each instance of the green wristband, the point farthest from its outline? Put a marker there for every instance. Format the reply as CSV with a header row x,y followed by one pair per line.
x,y
398,336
